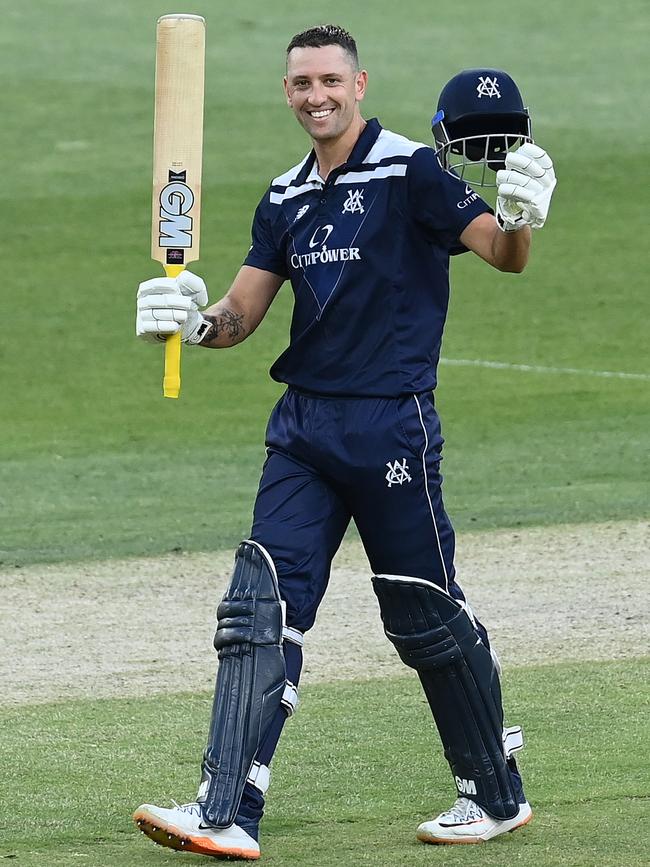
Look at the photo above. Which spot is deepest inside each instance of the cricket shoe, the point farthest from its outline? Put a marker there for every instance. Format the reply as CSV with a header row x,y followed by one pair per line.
x,y
466,822
182,827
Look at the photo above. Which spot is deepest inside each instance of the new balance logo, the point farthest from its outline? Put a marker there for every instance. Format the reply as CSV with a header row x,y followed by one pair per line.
x,y
465,787
488,87
397,473
301,213
354,202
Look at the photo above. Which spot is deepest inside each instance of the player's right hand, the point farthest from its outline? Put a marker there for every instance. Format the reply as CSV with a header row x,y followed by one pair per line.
x,y
166,305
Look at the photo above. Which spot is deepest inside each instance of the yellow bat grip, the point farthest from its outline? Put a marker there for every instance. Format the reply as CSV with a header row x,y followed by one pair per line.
x,y
172,378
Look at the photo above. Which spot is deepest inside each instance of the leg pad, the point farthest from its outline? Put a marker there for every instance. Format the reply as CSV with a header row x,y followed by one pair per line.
x,y
433,634
250,681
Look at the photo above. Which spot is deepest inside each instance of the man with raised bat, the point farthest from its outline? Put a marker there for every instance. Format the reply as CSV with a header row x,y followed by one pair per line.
x,y
363,228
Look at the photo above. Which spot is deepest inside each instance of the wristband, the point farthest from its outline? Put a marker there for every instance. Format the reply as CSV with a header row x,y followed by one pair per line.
x,y
199,331
505,226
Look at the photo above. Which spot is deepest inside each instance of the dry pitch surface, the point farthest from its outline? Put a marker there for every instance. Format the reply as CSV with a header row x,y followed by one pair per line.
x,y
145,626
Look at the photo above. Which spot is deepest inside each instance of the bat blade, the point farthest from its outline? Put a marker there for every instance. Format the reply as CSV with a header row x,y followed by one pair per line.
x,y
177,157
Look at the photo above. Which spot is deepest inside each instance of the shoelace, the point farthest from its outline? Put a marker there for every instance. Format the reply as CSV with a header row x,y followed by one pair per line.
x,y
463,810
192,809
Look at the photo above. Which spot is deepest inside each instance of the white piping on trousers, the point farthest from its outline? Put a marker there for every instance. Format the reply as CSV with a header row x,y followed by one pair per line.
x,y
426,488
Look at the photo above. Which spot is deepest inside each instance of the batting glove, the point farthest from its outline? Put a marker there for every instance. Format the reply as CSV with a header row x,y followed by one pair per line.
x,y
166,305
525,188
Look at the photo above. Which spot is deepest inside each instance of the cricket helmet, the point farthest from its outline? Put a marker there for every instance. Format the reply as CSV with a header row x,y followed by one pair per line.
x,y
480,117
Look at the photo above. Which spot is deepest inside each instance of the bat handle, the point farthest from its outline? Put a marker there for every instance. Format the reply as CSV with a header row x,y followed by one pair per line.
x,y
172,378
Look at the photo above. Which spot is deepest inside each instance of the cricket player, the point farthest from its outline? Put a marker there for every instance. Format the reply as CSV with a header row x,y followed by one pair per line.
x,y
363,228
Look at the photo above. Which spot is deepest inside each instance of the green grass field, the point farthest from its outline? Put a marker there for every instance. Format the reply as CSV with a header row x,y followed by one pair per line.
x,y
89,447
355,773
94,464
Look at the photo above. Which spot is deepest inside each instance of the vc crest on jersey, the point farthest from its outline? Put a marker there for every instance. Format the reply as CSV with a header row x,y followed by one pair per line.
x,y
488,87
354,202
398,473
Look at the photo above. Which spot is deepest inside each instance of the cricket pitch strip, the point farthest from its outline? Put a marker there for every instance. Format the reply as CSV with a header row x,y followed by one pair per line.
x,y
144,626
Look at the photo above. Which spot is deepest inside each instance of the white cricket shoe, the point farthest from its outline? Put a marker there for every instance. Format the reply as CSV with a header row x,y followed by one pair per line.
x,y
182,827
466,822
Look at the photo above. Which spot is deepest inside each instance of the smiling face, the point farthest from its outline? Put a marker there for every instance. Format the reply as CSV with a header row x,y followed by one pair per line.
x,y
323,89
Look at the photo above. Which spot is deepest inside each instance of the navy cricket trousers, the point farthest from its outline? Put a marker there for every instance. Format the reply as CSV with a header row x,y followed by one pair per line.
x,y
373,460
329,460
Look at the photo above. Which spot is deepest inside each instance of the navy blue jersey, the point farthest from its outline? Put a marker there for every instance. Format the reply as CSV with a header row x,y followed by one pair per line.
x,y
367,253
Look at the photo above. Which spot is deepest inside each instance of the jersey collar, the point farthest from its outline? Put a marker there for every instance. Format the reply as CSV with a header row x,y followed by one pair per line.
x,y
360,151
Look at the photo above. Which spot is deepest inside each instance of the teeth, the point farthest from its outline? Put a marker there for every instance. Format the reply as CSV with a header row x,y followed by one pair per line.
x,y
321,113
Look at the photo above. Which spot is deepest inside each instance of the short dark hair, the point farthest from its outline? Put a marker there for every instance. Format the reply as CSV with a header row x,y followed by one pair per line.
x,y
325,34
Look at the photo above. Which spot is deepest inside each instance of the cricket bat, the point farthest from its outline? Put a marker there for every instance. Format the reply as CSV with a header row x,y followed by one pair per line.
x,y
177,153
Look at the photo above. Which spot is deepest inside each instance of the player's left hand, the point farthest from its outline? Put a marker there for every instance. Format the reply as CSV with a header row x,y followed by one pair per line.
x,y
525,188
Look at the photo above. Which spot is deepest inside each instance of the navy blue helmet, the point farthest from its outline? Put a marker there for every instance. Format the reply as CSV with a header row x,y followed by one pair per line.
x,y
480,117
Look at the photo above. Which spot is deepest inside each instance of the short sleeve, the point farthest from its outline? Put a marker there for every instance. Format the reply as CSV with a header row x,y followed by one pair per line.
x,y
266,252
441,202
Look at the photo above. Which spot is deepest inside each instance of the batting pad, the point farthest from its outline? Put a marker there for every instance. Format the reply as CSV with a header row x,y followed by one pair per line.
x,y
434,635
250,681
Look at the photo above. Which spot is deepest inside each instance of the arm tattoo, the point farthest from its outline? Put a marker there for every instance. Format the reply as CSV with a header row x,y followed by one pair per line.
x,y
225,324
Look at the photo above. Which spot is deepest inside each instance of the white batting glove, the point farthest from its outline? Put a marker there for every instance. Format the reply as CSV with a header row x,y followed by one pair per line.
x,y
525,188
166,305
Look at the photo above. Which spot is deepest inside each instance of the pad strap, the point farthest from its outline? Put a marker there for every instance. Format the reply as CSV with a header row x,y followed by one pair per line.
x,y
293,635
290,698
513,740
260,777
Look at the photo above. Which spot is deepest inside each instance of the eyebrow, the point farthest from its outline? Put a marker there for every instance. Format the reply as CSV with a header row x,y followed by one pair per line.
x,y
299,75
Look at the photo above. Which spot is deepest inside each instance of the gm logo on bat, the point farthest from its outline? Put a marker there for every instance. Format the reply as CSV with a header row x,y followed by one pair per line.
x,y
176,200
